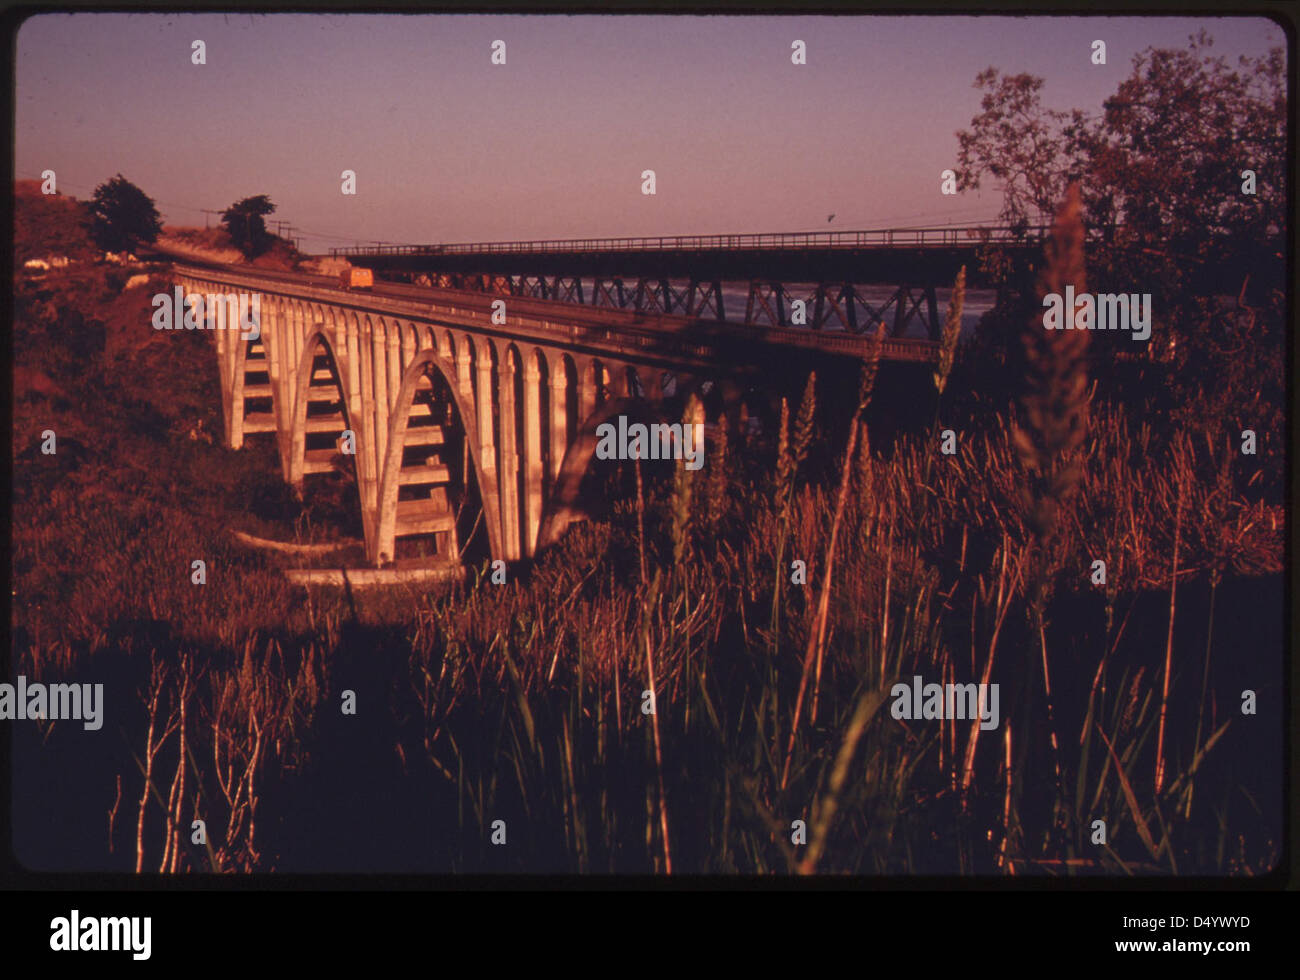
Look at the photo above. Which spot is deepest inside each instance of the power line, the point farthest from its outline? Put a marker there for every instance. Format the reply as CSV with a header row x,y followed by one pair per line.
x,y
327,236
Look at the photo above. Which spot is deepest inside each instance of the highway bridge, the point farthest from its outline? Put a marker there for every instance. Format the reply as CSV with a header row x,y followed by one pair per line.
x,y
463,413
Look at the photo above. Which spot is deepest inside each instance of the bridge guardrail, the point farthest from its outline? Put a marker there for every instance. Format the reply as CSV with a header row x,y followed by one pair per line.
x,y
883,238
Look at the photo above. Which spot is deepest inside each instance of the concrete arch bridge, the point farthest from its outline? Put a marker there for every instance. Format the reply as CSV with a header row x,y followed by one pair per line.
x,y
453,415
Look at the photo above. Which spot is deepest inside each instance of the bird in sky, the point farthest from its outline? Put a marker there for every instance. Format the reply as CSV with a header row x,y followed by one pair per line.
x,y
830,218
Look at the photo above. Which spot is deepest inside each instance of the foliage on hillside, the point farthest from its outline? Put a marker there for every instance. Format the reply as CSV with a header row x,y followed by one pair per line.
x,y
49,225
216,245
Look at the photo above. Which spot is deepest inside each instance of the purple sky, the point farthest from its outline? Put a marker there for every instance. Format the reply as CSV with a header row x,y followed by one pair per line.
x,y
448,147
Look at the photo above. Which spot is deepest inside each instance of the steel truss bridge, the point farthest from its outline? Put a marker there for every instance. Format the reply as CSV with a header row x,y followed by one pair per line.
x,y
684,275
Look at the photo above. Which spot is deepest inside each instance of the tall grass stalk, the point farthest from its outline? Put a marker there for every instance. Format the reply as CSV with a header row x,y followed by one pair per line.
x,y
790,456
817,634
1169,643
866,708
1055,404
654,718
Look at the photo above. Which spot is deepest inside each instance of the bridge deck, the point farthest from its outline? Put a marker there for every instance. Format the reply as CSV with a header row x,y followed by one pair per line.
x,y
665,339
419,397
914,256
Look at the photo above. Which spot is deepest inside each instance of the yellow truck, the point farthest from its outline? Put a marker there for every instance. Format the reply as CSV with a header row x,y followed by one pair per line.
x,y
357,278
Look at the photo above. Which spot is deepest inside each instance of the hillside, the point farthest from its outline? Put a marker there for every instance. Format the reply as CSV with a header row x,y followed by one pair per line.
x,y
58,225
215,245
49,224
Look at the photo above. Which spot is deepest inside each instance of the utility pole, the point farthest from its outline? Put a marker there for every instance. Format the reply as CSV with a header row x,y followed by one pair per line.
x,y
206,219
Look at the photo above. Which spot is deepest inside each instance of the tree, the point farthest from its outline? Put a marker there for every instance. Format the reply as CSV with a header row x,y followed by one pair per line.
x,y
1019,143
1161,175
243,220
123,216
1167,158
1160,169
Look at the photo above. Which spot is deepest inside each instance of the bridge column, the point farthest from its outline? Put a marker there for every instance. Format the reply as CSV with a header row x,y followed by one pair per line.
x,y
227,377
361,419
237,358
292,358
409,347
618,382
379,362
393,350
509,459
483,401
287,335
273,344
269,325
587,383
559,415
227,327
349,352
532,452
347,359
463,380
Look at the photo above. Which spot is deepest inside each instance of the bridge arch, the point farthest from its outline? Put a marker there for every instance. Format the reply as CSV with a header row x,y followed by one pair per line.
x,y
376,381
428,358
563,412
317,342
241,347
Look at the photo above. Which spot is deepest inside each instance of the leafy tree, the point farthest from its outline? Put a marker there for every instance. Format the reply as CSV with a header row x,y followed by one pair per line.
x,y
1160,171
1021,144
123,216
244,221
1168,153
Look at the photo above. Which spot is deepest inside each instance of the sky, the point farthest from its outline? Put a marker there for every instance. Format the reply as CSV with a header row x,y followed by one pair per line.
x,y
448,147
